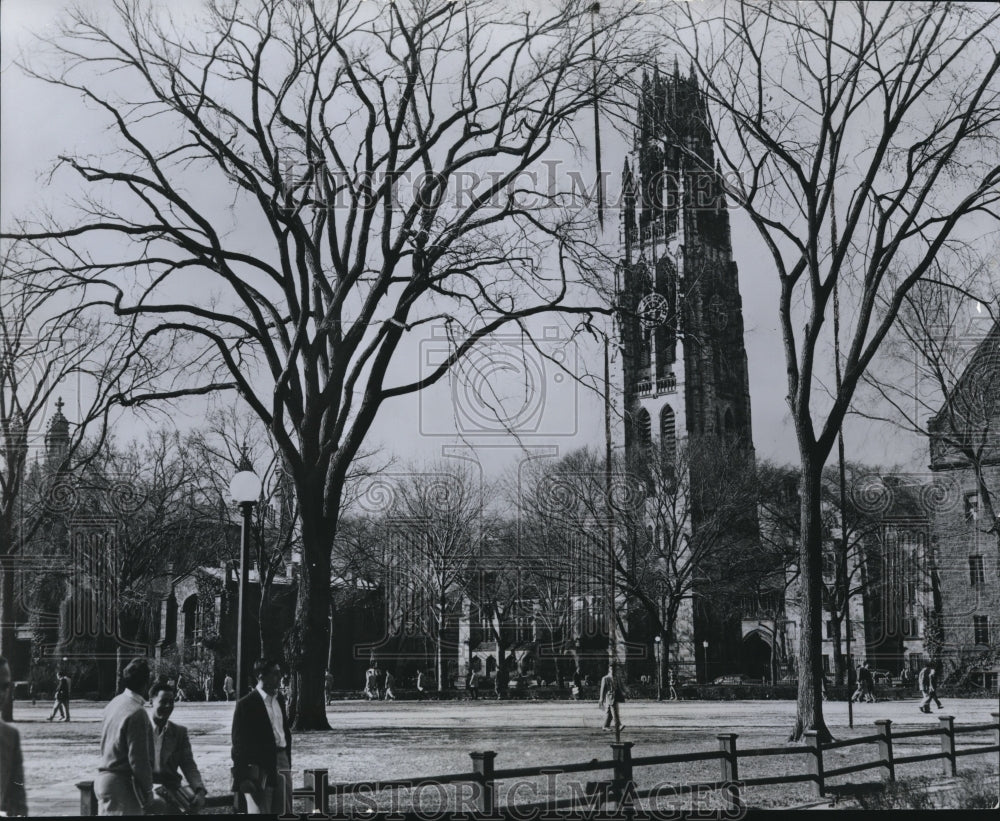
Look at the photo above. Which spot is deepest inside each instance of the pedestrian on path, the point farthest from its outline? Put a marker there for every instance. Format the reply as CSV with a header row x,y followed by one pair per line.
x,y
228,688
390,681
474,685
207,684
608,699
927,681
61,705
371,683
864,690
576,689
672,683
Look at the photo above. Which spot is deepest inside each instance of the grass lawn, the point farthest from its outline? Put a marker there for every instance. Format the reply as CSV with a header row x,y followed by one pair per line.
x,y
413,740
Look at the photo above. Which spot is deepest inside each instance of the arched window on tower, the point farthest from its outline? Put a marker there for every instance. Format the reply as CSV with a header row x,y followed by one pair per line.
x,y
644,431
668,437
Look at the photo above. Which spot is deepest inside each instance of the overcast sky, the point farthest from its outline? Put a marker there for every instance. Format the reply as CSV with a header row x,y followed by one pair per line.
x,y
39,122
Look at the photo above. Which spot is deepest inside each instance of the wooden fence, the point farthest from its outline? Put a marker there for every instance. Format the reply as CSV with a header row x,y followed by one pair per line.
x,y
622,788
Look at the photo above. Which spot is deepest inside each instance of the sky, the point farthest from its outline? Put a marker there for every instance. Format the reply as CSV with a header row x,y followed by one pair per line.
x,y
39,122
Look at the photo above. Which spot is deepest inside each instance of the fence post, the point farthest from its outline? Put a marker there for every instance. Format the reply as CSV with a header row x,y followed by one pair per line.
x,y
482,766
315,788
88,800
949,762
812,739
623,788
730,771
884,729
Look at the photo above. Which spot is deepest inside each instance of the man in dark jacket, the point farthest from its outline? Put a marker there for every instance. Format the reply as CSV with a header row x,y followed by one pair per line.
x,y
262,744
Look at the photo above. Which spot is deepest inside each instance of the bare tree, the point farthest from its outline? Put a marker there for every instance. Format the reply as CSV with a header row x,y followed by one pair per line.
x,y
866,137
49,346
381,158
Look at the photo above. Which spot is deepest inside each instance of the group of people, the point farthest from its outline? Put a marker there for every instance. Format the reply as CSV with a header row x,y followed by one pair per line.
x,y
144,756
380,684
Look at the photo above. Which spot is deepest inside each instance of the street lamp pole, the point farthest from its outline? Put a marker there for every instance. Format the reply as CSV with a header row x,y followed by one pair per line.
x,y
245,489
659,668
704,656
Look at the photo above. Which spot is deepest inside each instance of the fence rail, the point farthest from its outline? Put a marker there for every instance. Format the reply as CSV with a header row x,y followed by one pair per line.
x,y
622,789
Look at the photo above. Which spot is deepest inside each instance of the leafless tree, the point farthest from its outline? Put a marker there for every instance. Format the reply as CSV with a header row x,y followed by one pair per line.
x,y
49,347
866,138
380,160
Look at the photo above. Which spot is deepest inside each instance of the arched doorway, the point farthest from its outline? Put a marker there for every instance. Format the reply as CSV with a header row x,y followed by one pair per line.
x,y
756,657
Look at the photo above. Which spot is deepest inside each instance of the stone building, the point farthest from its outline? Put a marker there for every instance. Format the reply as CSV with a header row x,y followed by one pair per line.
x,y
965,539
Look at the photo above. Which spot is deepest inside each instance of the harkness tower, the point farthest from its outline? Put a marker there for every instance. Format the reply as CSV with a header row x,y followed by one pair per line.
x,y
684,361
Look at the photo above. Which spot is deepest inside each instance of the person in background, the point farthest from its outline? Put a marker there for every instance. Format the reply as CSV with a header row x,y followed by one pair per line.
x,y
390,681
13,798
608,699
576,688
124,783
207,684
328,681
420,684
672,684
474,684
927,681
228,688
172,750
61,705
262,744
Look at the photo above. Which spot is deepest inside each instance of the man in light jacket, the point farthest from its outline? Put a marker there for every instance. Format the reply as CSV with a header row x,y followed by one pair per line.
x,y
124,783
13,800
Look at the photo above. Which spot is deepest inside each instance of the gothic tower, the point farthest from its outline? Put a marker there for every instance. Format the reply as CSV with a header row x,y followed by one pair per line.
x,y
681,318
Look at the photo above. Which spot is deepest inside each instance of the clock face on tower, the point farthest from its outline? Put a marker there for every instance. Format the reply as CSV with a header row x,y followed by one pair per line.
x,y
653,310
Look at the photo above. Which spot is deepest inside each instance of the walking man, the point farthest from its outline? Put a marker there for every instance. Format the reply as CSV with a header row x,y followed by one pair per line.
x,y
672,684
124,783
207,683
262,744
62,697
474,685
13,800
390,682
927,681
227,687
608,699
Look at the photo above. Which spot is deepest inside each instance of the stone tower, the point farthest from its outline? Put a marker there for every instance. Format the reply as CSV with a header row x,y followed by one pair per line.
x,y
680,310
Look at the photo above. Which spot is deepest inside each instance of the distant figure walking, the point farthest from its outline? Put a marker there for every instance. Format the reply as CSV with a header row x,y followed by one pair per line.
x,y
207,684
420,684
390,682
576,688
371,683
124,783
61,705
608,699
864,691
927,681
228,688
474,685
672,684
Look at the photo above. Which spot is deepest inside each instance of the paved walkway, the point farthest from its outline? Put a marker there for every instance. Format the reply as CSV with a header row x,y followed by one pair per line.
x,y
410,739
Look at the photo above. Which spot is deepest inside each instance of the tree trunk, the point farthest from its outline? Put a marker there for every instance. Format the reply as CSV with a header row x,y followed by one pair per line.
x,y
838,654
809,714
312,629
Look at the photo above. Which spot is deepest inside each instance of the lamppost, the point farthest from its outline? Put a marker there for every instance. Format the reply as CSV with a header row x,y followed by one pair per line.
x,y
245,489
659,668
704,655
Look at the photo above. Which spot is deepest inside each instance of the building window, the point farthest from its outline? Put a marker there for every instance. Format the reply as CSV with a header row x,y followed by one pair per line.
x,y
668,437
977,572
981,628
971,506
829,561
826,663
